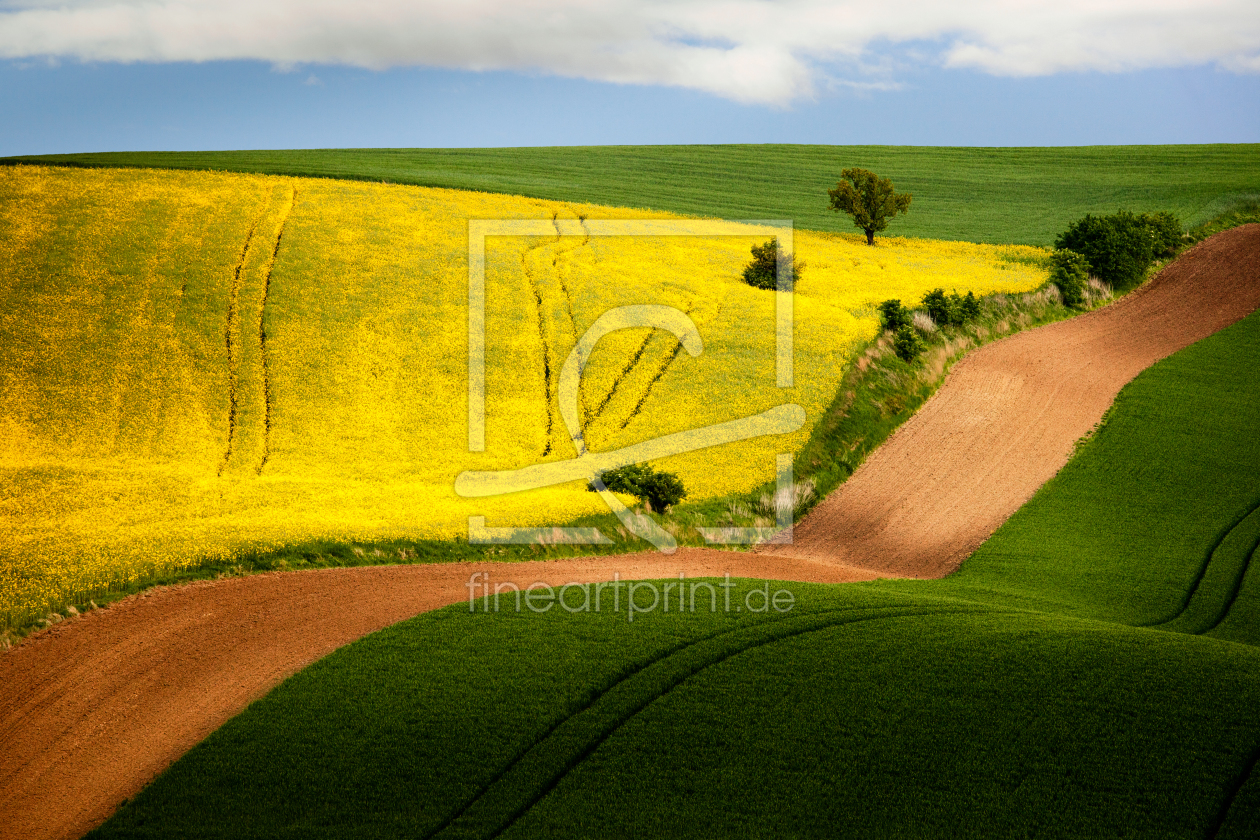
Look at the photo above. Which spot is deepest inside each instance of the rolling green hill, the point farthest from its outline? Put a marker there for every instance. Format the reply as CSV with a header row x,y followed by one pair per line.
x,y
1093,671
995,195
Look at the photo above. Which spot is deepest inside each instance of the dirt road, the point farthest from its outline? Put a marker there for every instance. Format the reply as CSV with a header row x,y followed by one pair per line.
x,y
1008,415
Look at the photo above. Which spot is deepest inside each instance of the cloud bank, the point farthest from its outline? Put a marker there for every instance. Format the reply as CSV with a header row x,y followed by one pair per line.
x,y
752,51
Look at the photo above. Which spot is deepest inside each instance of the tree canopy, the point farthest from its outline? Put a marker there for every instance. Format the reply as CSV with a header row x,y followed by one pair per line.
x,y
869,199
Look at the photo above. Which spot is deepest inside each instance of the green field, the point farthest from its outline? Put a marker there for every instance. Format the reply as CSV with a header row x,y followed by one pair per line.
x,y
995,195
1037,692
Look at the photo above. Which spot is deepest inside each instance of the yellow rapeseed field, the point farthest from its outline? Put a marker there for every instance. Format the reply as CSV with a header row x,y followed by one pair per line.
x,y
196,364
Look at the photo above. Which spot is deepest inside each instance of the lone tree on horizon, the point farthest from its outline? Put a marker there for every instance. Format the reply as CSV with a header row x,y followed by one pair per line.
x,y
869,199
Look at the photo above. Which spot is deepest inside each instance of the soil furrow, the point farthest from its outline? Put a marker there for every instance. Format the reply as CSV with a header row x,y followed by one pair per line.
x,y
621,377
647,392
564,287
542,339
568,297
262,331
1236,588
618,681
231,325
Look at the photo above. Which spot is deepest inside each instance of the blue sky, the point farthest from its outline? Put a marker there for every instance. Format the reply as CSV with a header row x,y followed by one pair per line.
x,y
1069,78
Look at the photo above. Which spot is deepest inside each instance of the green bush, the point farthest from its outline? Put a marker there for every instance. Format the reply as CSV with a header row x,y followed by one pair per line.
x,y
893,316
660,490
970,307
937,306
1069,271
1166,232
1122,246
1118,248
952,309
908,344
760,273
624,479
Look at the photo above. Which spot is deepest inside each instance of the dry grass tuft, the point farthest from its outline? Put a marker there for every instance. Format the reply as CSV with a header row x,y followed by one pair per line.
x,y
793,499
1096,290
934,365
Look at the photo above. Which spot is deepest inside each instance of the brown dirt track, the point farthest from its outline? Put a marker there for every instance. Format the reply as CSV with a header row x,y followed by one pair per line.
x,y
93,708
1008,415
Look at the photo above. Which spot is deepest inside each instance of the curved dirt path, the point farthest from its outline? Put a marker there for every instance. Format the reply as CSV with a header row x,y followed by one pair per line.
x,y
93,708
96,706
1009,414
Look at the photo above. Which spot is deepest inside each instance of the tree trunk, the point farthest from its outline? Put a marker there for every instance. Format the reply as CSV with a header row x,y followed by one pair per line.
x,y
870,236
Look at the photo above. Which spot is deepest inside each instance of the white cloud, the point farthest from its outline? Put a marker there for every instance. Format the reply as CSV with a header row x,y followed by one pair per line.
x,y
746,50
